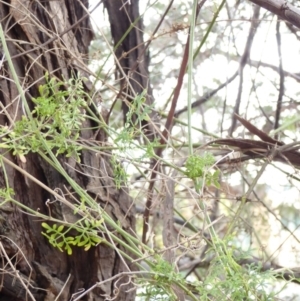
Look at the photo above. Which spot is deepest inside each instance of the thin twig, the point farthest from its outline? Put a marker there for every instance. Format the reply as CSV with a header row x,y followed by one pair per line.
x,y
244,58
281,80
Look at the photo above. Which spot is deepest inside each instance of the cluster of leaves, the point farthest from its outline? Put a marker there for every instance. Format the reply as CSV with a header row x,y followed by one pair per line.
x,y
224,280
120,175
6,194
138,112
198,167
164,278
87,235
241,284
58,116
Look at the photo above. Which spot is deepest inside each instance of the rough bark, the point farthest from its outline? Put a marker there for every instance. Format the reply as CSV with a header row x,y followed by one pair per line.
x,y
39,41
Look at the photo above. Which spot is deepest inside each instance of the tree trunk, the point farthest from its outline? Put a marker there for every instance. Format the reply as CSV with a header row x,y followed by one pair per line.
x,y
53,37
132,55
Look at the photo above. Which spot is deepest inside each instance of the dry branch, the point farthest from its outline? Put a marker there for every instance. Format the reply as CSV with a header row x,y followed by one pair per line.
x,y
281,8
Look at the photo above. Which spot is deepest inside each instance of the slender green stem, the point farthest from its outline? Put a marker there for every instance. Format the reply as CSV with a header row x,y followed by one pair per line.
x,y
190,75
216,14
13,72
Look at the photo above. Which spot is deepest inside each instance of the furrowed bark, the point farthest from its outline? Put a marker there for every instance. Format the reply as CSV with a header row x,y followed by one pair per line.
x,y
53,37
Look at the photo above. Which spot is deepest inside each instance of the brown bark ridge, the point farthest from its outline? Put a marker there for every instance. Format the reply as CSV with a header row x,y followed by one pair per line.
x,y
131,54
53,37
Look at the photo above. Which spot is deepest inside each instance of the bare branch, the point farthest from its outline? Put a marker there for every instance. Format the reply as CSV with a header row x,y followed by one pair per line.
x,y
281,8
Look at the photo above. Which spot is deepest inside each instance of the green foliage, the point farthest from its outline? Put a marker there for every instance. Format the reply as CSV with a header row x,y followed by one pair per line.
x,y
198,167
59,112
87,235
213,178
57,120
138,111
243,284
225,280
125,140
120,175
160,287
164,272
6,193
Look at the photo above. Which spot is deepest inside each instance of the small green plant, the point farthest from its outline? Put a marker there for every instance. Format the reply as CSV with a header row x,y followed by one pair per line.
x,y
226,279
165,277
6,193
165,272
58,116
87,235
246,284
138,111
120,175
198,167
125,139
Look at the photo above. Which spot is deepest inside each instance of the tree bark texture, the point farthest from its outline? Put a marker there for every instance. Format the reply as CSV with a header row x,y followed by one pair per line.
x,y
49,36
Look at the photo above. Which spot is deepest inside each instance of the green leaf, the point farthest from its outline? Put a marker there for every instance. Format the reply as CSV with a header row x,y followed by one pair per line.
x,y
60,244
87,247
69,250
60,228
87,223
43,233
83,242
46,226
96,239
2,145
